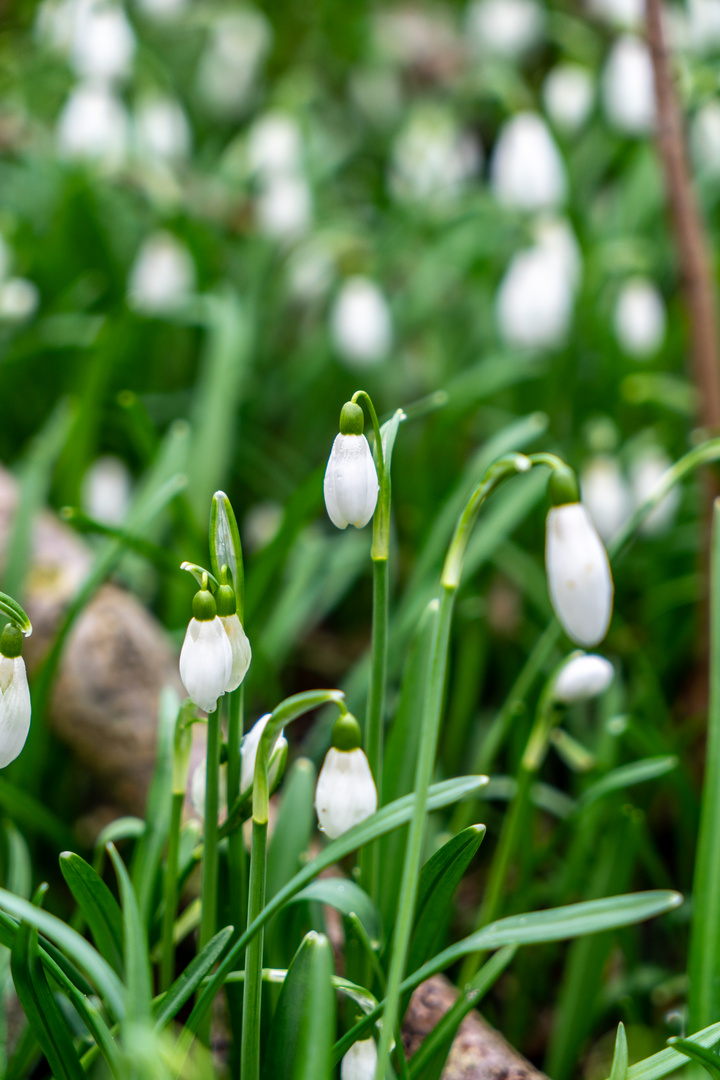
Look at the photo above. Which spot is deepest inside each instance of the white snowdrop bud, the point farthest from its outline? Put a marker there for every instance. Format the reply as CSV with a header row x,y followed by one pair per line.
x,y
432,158
249,749
161,129
582,677
526,169
284,206
162,276
360,323
229,66
568,95
106,490
628,89
556,237
505,28
19,299
103,45
351,482
534,303
162,9
93,125
345,793
640,319
274,145
15,707
606,495
578,572
646,470
625,14
360,1061
206,659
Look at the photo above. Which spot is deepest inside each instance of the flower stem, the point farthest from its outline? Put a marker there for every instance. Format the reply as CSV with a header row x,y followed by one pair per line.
x,y
208,916
237,858
250,1052
170,892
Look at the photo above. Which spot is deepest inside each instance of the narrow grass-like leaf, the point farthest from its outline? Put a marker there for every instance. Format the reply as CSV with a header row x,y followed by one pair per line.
x,y
225,546
186,984
625,776
137,965
669,1061
619,1068
700,1054
19,869
347,898
124,828
98,906
24,810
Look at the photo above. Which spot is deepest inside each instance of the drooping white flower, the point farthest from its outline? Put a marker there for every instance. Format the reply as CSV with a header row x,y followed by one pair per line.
x,y
625,14
351,482
360,323
646,470
241,651
238,44
432,159
526,169
605,493
578,572
162,276
360,1061
582,677
106,490
161,129
705,138
206,662
249,750
556,237
568,95
15,707
639,320
345,793
103,44
534,303
262,524
505,28
19,299
284,206
93,125
274,145
628,89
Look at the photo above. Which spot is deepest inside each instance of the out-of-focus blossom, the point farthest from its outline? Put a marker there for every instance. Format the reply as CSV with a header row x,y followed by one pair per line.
x,y
646,469
103,45
274,145
640,319
526,169
555,236
162,276
625,14
360,323
605,494
93,125
311,270
534,303
19,299
377,92
231,61
161,129
284,206
583,677
360,1062
432,159
568,95
162,9
261,525
705,138
106,490
694,27
506,28
425,39
628,90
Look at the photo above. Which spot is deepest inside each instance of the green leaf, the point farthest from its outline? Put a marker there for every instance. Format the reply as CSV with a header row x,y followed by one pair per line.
x,y
709,1060
24,810
124,828
137,965
388,434
619,1068
98,906
19,868
294,827
668,1061
303,1027
186,984
638,772
347,898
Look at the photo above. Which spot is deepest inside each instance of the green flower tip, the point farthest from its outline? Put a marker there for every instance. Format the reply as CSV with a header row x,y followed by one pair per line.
x,y
563,486
352,420
346,734
11,641
225,597
204,608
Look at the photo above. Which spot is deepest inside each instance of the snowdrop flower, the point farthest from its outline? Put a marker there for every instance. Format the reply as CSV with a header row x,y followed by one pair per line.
x,y
505,28
162,276
274,145
228,69
345,793
14,696
106,490
526,169
534,303
104,44
206,659
432,159
703,25
284,206
639,319
161,129
360,1061
360,323
556,237
249,750
93,125
646,469
628,89
625,14
568,94
311,271
241,651
351,482
578,572
19,299
583,676
198,783
606,495
705,138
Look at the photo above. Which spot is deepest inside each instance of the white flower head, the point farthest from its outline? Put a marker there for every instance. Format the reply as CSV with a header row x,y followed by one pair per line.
x,y
249,749
19,299
605,493
346,792
15,707
274,145
351,482
162,276
534,303
206,659
93,125
432,158
568,95
360,1061
104,44
578,572
162,131
646,469
640,318
628,89
229,66
198,785
505,28
624,14
583,676
284,206
526,169
705,138
360,323
106,490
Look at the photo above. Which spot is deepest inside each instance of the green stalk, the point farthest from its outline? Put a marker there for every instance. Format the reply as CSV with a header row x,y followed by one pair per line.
x,y
170,893
237,860
252,995
208,916
704,964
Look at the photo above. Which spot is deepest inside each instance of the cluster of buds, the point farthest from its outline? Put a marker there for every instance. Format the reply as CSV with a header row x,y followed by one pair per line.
x,y
216,653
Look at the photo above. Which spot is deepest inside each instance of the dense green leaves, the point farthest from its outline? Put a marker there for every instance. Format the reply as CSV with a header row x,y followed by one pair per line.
x,y
98,906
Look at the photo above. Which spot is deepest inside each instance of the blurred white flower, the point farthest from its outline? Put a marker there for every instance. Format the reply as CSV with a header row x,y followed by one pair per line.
x,y
640,319
360,1062
646,469
198,786
249,750
162,9
505,27
625,14
284,206
568,95
103,44
360,323
93,125
161,129
229,66
274,145
206,662
582,677
605,493
106,490
19,299
702,33
413,36
526,169
162,276
15,706
311,270
578,574
432,158
628,89
262,524
534,303
377,92
345,793
351,483
705,138
556,237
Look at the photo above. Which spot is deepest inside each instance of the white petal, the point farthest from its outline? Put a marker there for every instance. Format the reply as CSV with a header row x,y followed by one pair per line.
x,y
14,709
249,750
360,1061
206,662
351,483
241,651
578,572
345,793
583,677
